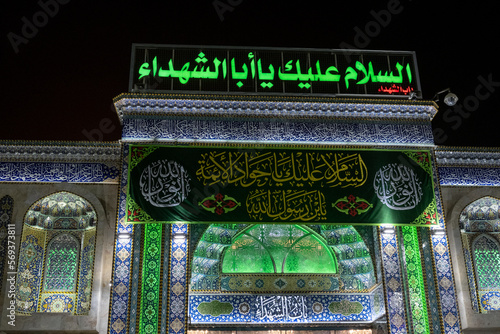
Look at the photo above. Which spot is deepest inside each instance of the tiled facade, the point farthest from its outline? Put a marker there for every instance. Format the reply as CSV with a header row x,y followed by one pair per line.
x,y
167,278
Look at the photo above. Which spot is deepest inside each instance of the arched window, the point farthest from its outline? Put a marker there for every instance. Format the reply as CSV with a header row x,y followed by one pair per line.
x,y
486,254
61,264
479,225
56,256
279,249
246,258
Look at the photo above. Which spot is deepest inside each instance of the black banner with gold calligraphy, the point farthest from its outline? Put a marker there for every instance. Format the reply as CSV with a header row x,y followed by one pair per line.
x,y
280,185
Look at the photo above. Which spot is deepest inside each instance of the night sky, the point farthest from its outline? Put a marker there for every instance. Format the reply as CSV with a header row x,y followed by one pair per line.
x,y
63,62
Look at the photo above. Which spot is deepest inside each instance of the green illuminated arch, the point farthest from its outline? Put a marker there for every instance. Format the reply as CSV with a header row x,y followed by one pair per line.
x,y
350,255
278,249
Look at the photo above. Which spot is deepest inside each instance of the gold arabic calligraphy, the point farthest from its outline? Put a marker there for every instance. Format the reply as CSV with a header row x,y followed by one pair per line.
x,y
286,205
282,168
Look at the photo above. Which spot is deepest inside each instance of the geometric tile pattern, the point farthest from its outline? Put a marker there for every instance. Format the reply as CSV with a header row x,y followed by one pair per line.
x,y
395,301
415,280
431,286
122,261
178,272
150,278
134,285
444,274
165,287
289,308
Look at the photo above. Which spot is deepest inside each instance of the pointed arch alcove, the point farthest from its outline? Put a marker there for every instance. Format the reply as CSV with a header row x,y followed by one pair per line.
x,y
480,230
56,256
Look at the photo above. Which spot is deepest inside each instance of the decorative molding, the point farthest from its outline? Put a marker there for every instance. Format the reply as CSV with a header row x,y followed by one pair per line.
x,y
101,152
467,157
128,105
59,162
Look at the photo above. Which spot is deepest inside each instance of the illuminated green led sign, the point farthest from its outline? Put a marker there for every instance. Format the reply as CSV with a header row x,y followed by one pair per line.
x,y
164,68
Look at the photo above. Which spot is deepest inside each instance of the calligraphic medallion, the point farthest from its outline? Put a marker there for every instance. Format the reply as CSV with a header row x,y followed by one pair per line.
x,y
397,186
164,183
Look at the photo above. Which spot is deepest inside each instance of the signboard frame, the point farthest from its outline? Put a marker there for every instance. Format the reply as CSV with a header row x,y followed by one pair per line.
x,y
316,86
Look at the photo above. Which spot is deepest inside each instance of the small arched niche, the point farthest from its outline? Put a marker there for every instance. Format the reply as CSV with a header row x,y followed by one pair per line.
x,y
56,256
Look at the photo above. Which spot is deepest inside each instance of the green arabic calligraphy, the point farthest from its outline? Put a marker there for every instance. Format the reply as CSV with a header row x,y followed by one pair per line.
x,y
292,71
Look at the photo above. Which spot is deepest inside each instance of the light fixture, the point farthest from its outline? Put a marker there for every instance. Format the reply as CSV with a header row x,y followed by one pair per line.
x,y
124,236
415,95
438,231
387,229
450,99
179,236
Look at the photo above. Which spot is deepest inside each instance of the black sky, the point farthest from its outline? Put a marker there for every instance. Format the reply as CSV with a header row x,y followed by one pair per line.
x,y
63,77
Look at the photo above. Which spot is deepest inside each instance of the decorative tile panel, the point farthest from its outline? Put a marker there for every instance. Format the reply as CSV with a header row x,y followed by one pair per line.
x,y
288,308
393,276
444,272
277,130
58,172
119,308
469,176
415,280
178,273
150,279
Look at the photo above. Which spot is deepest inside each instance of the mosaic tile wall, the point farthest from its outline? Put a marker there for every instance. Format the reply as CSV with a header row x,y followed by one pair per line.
x,y
449,314
414,280
469,176
178,279
289,308
393,276
57,172
277,130
484,286
122,260
55,267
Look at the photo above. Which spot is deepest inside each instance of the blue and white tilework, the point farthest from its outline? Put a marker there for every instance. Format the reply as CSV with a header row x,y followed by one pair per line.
x,y
289,308
120,297
469,176
395,300
433,306
277,130
57,172
444,273
178,271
